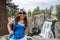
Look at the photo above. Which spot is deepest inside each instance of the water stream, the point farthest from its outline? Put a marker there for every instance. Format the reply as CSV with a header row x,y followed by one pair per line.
x,y
46,31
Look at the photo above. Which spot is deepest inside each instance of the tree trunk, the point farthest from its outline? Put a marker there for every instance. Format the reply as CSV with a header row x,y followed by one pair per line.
x,y
3,18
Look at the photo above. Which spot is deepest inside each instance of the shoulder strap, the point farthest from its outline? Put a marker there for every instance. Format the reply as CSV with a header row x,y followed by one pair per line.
x,y
14,25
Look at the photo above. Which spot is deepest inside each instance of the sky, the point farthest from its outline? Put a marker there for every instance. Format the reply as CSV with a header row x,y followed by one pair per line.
x,y
31,4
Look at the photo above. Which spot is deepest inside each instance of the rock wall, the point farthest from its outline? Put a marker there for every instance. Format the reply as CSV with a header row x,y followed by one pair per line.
x,y
57,30
6,37
38,20
35,21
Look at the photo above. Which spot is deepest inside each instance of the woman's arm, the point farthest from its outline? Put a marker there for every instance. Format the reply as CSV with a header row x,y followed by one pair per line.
x,y
26,30
9,25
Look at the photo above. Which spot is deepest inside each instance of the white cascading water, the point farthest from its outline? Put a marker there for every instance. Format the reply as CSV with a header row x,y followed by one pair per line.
x,y
46,31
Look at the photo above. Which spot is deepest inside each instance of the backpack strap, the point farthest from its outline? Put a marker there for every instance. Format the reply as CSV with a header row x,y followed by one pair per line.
x,y
14,25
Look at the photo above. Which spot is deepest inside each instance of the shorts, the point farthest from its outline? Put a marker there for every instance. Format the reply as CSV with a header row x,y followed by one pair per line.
x,y
24,38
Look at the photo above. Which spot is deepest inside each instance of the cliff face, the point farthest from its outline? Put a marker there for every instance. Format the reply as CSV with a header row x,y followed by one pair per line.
x,y
35,21
38,20
57,29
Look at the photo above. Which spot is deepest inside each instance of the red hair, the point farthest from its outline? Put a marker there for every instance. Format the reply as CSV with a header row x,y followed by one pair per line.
x,y
25,19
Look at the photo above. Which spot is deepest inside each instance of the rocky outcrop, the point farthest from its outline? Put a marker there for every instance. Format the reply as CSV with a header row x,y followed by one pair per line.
x,y
36,21
57,29
6,37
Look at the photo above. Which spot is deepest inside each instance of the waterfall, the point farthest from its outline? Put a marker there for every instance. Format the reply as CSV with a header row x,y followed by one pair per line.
x,y
46,31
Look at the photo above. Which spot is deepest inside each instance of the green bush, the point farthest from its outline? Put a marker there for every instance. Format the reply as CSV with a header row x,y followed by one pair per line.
x,y
53,24
34,32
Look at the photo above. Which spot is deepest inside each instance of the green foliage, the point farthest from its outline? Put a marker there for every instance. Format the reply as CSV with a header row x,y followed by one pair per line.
x,y
34,32
29,13
58,12
53,25
50,12
11,8
30,34
36,11
53,22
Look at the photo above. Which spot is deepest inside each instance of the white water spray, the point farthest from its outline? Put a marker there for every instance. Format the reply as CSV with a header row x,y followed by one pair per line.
x,y
46,31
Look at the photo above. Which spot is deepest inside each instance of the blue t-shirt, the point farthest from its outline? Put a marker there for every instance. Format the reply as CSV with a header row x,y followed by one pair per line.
x,y
18,31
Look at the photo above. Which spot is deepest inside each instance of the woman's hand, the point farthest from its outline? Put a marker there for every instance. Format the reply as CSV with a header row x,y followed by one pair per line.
x,y
26,32
11,32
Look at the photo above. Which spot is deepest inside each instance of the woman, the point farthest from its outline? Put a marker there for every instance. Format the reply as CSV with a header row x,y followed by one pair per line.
x,y
19,28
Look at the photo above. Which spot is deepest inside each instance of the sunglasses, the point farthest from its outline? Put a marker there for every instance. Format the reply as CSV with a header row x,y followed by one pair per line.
x,y
21,13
